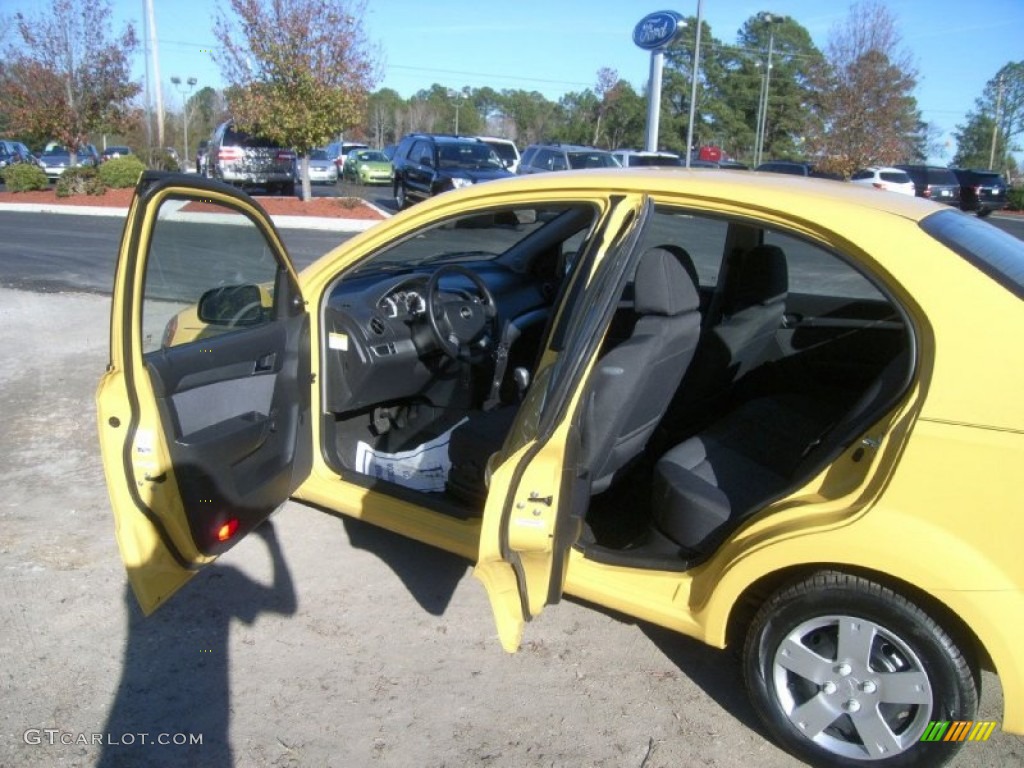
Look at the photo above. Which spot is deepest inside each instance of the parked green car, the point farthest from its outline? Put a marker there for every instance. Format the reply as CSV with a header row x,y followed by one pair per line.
x,y
368,166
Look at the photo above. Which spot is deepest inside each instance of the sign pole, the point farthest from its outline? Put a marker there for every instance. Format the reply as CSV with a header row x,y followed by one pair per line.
x,y
654,100
654,33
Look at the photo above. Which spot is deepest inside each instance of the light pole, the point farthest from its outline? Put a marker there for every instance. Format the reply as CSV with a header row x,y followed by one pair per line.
x,y
693,84
769,19
457,95
760,106
191,82
995,125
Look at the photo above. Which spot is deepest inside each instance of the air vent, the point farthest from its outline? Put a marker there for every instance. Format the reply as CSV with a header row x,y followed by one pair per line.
x,y
377,325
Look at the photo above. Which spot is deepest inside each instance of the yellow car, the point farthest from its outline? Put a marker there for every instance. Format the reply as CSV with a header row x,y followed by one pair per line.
x,y
773,413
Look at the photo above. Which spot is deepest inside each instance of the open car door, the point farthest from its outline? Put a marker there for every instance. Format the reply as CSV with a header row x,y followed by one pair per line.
x,y
204,410
539,489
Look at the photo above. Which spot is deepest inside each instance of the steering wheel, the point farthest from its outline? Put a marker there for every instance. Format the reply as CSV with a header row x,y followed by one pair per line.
x,y
463,325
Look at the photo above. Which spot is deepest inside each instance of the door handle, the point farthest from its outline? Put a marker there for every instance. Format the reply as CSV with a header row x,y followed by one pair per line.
x,y
536,498
265,363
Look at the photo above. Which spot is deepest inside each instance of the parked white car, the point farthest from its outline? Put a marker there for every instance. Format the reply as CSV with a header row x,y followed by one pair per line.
x,y
505,149
885,178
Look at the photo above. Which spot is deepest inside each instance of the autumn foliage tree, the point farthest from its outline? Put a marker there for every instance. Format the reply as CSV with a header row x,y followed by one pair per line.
x,y
299,70
868,114
65,76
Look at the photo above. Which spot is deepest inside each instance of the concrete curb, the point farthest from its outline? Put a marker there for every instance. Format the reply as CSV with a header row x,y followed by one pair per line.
x,y
281,222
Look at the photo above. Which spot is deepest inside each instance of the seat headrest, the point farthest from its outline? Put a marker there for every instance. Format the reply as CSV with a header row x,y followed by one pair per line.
x,y
683,256
756,277
662,285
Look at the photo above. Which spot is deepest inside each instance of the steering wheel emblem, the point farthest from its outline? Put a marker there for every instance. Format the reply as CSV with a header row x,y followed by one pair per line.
x,y
465,312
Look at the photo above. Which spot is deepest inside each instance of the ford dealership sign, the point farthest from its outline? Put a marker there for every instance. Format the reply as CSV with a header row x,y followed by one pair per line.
x,y
656,30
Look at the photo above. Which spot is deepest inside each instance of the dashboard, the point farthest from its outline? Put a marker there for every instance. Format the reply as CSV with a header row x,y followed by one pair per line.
x,y
379,346
403,303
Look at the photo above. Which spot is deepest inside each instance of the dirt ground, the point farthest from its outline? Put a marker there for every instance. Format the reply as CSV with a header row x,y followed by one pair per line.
x,y
321,643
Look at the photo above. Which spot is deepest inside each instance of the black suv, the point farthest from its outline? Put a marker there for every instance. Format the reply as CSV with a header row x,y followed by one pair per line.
x,y
933,182
427,164
541,158
792,168
982,191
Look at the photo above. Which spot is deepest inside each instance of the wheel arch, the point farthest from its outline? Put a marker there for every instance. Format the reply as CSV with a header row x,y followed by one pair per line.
x,y
758,591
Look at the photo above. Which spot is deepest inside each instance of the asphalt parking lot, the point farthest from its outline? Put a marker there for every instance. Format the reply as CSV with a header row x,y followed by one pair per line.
x,y
324,642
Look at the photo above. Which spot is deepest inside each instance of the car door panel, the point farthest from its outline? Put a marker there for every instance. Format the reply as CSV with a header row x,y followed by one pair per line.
x,y
205,434
539,489
840,338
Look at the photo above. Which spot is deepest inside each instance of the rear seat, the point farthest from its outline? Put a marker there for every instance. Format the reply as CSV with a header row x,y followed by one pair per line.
x,y
707,483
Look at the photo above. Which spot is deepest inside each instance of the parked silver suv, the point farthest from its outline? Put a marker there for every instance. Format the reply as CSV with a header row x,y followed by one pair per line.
x,y
246,160
540,158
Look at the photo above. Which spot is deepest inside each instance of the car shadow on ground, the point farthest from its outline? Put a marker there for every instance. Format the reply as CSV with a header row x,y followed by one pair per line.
x,y
430,575
174,682
718,673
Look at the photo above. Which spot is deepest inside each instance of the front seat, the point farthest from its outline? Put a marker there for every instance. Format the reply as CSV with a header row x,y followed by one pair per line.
x,y
632,385
629,390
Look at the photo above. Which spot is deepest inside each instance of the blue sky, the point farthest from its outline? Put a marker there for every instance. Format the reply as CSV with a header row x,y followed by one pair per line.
x,y
556,46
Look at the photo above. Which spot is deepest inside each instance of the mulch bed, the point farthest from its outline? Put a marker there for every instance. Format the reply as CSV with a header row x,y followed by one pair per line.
x,y
327,207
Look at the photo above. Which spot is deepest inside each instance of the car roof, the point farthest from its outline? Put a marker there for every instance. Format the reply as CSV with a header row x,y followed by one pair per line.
x,y
793,194
570,147
447,138
658,152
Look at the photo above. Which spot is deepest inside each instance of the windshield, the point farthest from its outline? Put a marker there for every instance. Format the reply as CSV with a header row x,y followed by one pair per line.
x,y
233,137
475,237
646,160
506,152
318,154
592,160
993,251
941,176
370,156
467,157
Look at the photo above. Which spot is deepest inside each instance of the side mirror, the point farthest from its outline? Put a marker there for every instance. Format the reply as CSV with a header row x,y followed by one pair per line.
x,y
232,305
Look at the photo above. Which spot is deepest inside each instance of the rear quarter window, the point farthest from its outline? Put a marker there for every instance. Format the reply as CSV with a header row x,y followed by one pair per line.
x,y
995,252
895,178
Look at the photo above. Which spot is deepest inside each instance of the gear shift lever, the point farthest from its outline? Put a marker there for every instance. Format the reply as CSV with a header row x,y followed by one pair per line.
x,y
508,336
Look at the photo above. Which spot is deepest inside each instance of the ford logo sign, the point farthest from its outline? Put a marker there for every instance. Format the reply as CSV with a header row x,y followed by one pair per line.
x,y
657,30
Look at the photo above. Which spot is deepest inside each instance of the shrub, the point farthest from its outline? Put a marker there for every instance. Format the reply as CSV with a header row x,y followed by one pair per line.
x,y
80,181
162,161
23,177
1015,199
121,172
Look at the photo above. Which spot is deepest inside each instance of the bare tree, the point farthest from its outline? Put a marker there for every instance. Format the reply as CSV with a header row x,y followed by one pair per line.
x,y
606,94
865,94
299,70
68,76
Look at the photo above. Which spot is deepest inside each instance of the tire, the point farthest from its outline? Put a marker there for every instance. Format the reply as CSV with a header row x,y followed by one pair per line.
x,y
853,710
401,196
288,189
983,212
